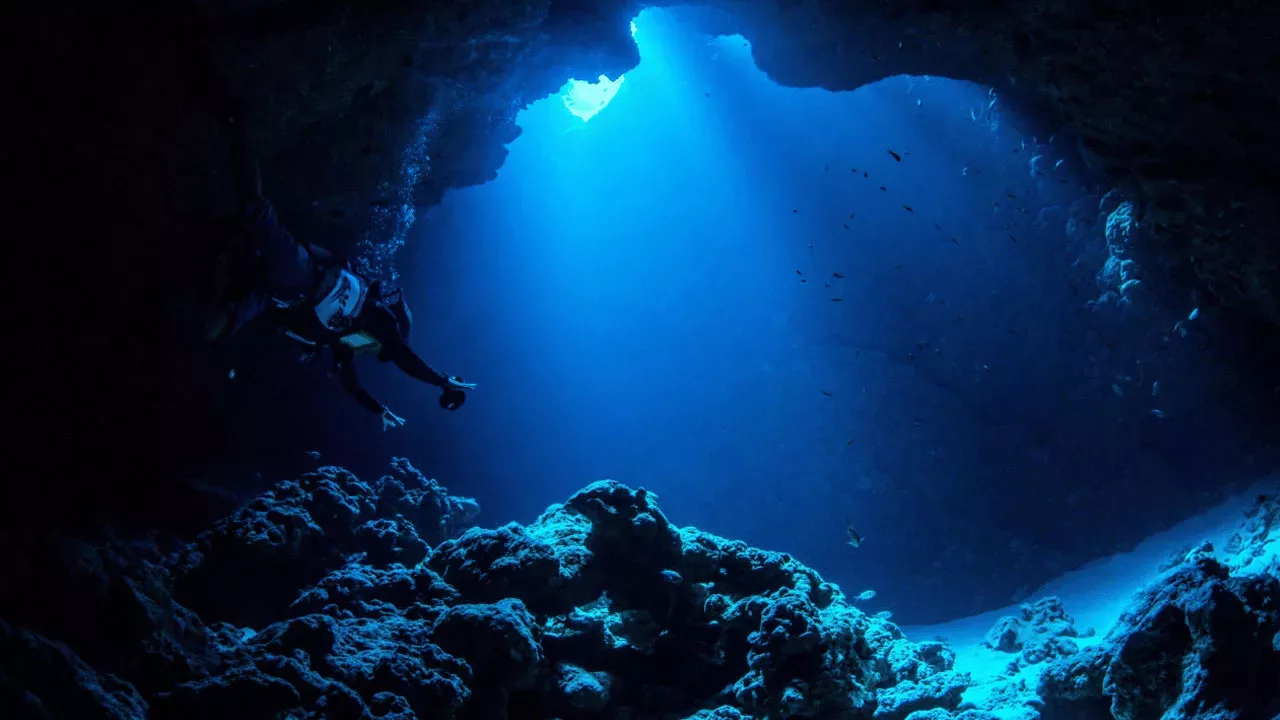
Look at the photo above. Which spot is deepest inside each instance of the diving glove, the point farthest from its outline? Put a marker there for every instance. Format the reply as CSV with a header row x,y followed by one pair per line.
x,y
453,382
454,395
390,420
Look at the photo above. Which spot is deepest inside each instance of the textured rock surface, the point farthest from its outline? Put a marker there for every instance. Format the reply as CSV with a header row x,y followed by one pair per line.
x,y
1199,642
601,608
1040,632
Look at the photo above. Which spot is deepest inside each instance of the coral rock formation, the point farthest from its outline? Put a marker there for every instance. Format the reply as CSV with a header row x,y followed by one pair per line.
x,y
600,608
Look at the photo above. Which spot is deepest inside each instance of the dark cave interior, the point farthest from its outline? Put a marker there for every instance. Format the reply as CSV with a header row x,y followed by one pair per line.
x,y
122,183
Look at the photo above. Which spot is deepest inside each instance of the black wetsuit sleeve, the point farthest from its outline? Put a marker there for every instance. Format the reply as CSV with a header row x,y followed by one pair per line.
x,y
408,361
351,381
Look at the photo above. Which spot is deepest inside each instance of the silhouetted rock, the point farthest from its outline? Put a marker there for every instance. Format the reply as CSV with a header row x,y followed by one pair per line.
x,y
600,608
40,678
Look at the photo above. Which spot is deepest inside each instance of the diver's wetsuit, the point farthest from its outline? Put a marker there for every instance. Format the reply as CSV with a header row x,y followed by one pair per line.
x,y
283,268
375,321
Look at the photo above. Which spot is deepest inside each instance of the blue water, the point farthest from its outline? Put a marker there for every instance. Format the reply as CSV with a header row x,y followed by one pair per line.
x,y
628,294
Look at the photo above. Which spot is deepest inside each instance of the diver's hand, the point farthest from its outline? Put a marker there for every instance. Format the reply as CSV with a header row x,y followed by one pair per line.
x,y
390,420
453,382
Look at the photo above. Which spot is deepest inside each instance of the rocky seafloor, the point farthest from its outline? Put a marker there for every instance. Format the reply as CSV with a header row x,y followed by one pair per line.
x,y
333,597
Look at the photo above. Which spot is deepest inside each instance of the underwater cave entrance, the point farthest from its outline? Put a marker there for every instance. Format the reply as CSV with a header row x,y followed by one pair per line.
x,y
784,308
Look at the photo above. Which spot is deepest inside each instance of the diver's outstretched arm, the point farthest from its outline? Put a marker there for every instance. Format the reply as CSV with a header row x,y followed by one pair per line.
x,y
415,367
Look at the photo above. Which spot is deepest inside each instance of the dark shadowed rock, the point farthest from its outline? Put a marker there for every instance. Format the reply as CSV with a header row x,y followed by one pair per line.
x,y
601,608
40,678
1198,642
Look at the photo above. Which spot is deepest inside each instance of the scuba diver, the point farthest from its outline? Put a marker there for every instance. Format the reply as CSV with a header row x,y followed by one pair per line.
x,y
317,299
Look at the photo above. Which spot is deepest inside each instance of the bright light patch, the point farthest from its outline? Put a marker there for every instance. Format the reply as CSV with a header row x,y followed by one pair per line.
x,y
586,99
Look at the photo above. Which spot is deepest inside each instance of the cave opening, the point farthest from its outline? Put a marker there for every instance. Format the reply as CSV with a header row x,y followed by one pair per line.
x,y
769,303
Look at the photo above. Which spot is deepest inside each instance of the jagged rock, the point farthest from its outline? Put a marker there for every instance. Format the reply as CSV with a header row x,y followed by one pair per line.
x,y
499,641
1042,631
297,532
942,690
584,691
40,678
361,590
489,565
941,714
603,608
1256,547
1196,643
1071,687
424,503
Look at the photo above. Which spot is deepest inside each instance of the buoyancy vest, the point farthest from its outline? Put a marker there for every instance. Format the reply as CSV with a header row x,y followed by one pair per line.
x,y
339,299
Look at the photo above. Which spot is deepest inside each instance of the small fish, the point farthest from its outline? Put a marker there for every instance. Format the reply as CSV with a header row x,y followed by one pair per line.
x,y
865,595
804,281
964,172
1194,314
864,174
313,454
671,576
837,299
795,210
895,155
1157,412
1014,239
848,442
897,267
908,208
826,285
850,216
853,170
837,275
1155,388
1059,163
955,241
846,226
828,394
1015,197
856,354
1117,390
884,615
231,374
810,246
855,538
938,227
798,272
883,187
